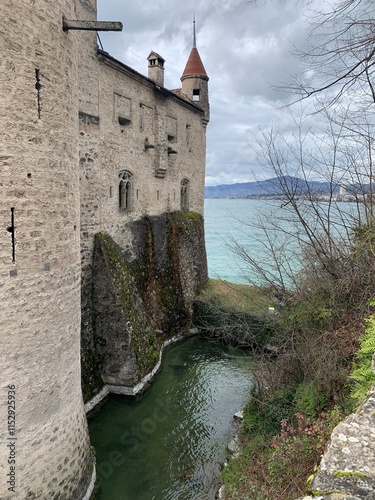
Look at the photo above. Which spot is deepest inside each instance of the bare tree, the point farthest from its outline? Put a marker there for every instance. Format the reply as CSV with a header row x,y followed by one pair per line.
x,y
341,55
308,237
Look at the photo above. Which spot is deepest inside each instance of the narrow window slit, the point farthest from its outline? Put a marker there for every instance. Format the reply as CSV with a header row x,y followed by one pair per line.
x,y
11,230
38,86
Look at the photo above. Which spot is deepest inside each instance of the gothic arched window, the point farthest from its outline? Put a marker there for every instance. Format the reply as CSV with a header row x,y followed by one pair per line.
x,y
185,195
125,190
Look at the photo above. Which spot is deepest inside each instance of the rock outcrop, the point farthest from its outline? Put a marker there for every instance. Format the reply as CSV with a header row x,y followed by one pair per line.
x,y
347,469
143,297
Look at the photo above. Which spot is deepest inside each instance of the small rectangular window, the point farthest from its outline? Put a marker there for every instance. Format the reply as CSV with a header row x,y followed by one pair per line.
x,y
196,94
188,127
172,128
123,121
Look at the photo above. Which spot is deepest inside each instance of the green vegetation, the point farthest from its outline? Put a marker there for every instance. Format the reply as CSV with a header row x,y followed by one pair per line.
x,y
281,448
309,383
186,217
362,376
236,314
350,474
90,368
236,297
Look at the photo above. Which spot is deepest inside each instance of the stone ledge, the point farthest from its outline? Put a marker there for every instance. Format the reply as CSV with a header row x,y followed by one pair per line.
x,y
142,385
92,483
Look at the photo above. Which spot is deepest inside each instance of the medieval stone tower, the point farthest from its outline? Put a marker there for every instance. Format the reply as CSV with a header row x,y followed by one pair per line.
x,y
195,80
45,452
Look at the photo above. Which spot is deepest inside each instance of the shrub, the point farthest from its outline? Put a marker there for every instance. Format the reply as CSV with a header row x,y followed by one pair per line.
x,y
362,375
266,409
309,398
297,449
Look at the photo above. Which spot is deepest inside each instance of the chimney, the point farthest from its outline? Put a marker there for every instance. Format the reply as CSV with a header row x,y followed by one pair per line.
x,y
156,68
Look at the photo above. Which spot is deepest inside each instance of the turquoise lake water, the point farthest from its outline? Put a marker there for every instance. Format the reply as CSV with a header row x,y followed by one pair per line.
x,y
227,220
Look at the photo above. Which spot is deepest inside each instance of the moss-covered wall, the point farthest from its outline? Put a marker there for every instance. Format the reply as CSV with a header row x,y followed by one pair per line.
x,y
139,298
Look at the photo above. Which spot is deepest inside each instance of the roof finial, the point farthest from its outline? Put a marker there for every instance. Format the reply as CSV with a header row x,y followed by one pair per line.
x,y
194,36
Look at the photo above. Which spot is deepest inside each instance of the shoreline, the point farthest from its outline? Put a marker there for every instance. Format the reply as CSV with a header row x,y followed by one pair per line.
x,y
142,385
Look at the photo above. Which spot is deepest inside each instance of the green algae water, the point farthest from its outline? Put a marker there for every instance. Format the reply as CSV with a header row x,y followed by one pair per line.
x,y
170,444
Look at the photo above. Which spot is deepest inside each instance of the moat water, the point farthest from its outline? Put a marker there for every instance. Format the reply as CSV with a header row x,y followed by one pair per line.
x,y
170,444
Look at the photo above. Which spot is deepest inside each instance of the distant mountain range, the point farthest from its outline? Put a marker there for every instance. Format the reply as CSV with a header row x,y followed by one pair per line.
x,y
269,188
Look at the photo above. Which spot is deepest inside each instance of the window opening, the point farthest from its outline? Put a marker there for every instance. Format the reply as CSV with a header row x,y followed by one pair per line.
x,y
184,195
38,86
11,229
125,190
196,94
123,121
188,127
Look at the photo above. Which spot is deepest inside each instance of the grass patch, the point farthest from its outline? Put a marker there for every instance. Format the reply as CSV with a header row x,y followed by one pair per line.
x,y
238,298
235,314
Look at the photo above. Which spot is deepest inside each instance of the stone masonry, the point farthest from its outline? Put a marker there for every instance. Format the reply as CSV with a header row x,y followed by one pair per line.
x,y
142,154
44,445
88,146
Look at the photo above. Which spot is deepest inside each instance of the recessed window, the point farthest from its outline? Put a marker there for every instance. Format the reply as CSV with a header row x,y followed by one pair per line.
x,y
172,128
125,190
123,121
122,109
196,94
184,195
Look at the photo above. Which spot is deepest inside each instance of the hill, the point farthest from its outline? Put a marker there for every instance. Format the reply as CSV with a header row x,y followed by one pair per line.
x,y
269,188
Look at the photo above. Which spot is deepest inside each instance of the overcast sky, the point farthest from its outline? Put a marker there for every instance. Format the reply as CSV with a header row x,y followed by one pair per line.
x,y
244,50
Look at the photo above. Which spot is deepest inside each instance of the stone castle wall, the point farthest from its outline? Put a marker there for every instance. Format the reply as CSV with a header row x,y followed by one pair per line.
x,y
46,454
141,303
128,123
160,142
73,121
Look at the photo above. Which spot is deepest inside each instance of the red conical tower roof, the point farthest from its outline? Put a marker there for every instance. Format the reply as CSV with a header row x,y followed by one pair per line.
x,y
194,66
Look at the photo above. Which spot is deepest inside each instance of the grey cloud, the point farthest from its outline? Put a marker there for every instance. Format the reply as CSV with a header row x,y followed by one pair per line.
x,y
244,50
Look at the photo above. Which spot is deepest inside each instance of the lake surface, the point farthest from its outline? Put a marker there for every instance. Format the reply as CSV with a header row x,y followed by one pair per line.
x,y
169,445
228,220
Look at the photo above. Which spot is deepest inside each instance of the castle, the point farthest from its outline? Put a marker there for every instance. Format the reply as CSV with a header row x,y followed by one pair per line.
x,y
102,180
